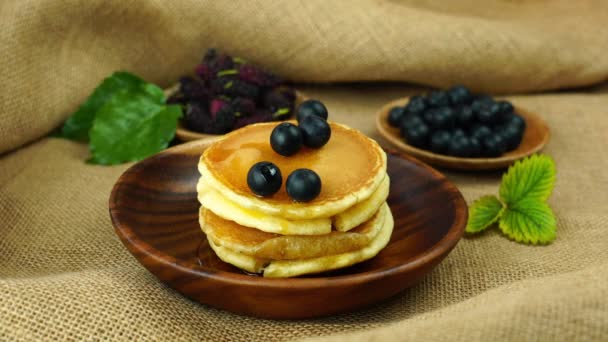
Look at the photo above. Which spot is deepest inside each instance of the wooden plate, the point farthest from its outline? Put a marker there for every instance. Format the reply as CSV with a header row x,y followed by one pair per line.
x,y
154,210
535,138
184,134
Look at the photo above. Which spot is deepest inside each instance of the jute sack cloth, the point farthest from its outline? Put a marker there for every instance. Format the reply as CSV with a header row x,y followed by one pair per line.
x,y
64,275
53,53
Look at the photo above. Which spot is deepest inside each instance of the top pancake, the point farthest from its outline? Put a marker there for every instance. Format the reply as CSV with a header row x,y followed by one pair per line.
x,y
351,167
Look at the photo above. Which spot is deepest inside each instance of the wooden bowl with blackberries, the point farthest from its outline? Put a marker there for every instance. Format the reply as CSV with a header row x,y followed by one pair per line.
x,y
458,129
225,93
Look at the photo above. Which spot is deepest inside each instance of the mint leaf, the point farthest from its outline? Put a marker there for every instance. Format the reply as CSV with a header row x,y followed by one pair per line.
x,y
483,212
530,178
79,123
529,221
131,126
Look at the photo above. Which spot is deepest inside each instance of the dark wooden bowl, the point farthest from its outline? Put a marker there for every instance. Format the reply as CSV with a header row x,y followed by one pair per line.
x,y
535,138
184,134
154,210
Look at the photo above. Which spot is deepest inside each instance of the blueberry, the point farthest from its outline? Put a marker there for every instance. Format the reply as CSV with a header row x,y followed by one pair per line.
x,y
303,185
410,120
459,146
512,136
442,118
489,114
493,145
286,139
264,178
416,105
311,107
506,107
475,147
464,116
480,131
428,115
458,132
439,141
480,102
315,131
459,94
417,135
395,115
518,121
438,98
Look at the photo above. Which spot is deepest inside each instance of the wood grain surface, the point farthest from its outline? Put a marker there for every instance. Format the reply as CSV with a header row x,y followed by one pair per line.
x,y
154,210
535,138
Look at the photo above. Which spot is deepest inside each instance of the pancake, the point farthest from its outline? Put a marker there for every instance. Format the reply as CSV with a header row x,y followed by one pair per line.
x,y
351,167
362,211
344,221
292,268
264,245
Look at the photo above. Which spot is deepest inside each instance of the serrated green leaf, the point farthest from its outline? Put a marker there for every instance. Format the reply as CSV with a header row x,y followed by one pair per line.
x,y
529,221
530,178
78,125
483,212
131,126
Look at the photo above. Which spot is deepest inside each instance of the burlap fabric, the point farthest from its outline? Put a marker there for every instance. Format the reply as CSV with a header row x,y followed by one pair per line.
x,y
64,275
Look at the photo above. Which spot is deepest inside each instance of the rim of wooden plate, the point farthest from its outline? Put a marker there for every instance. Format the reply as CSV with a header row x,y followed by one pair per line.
x,y
535,138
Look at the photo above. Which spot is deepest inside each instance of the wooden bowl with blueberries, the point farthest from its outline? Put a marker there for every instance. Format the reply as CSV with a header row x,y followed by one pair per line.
x,y
458,129
226,93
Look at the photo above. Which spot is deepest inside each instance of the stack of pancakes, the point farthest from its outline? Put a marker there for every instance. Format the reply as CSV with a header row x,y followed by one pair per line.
x,y
347,223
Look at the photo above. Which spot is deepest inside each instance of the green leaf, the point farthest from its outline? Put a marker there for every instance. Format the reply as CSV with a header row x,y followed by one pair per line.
x,y
131,126
483,212
529,221
78,125
530,178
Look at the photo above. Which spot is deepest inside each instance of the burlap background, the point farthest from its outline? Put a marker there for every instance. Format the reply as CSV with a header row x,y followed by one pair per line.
x,y
64,274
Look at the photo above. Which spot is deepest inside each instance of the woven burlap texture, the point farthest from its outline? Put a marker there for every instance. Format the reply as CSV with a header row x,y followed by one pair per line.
x,y
54,52
64,275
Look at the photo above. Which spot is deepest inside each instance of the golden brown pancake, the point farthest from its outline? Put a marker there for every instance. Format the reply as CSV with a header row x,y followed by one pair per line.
x,y
259,244
292,268
351,167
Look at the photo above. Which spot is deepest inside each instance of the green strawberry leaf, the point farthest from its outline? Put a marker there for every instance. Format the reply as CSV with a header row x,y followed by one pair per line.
x,y
529,221
530,178
483,212
131,126
78,125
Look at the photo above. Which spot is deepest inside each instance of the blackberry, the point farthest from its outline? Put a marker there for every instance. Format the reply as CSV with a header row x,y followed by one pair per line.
x,y
205,72
416,105
278,104
480,102
243,106
395,115
459,94
197,118
254,75
193,90
223,115
260,115
458,132
438,98
234,87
